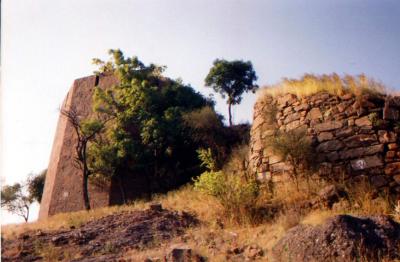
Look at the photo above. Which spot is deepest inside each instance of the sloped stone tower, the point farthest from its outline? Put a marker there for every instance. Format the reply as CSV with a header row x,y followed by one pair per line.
x,y
62,190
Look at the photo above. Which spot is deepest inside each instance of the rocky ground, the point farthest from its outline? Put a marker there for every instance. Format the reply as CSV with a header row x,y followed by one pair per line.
x,y
102,239
342,238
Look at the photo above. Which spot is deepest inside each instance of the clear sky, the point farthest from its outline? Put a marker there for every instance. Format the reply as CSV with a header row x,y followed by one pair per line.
x,y
46,44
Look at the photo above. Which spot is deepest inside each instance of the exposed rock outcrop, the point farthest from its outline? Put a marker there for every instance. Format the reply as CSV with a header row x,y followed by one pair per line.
x,y
342,238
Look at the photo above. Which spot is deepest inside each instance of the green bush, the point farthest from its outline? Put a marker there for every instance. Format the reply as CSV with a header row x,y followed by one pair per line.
x,y
236,190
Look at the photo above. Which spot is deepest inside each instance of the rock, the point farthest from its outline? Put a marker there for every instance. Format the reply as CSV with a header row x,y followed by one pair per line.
x,y
378,181
253,251
387,136
314,113
390,113
327,126
367,162
156,207
182,254
291,118
363,121
331,194
360,140
392,168
361,151
341,238
324,136
59,240
332,145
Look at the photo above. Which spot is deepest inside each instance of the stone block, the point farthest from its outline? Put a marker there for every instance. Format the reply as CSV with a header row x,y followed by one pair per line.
x,y
314,113
390,113
345,132
361,151
366,162
360,140
390,154
302,107
387,136
328,126
291,118
392,168
293,125
286,100
363,121
392,146
378,181
324,136
332,145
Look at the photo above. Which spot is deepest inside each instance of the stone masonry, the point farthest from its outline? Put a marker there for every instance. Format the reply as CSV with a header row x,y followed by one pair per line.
x,y
63,190
353,136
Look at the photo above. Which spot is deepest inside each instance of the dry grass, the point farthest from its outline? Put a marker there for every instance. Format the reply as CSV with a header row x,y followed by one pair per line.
x,y
216,234
311,84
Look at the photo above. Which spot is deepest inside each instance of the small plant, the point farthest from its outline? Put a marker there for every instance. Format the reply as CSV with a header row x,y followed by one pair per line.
x,y
295,148
233,187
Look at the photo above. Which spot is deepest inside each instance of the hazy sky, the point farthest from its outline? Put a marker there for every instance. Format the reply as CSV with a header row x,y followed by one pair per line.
x,y
46,44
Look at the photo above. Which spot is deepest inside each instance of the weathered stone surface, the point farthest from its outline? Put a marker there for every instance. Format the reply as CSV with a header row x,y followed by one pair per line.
x,y
332,145
363,121
327,126
291,118
367,162
378,181
314,113
361,151
324,136
292,125
390,113
360,140
345,132
387,136
392,168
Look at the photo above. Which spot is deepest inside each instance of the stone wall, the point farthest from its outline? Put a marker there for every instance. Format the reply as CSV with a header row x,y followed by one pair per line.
x,y
353,136
63,185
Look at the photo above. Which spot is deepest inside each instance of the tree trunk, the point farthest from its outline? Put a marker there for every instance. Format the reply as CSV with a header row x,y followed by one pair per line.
x,y
230,113
121,189
85,190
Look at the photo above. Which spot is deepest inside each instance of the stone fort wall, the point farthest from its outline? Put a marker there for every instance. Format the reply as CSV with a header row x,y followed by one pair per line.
x,y
353,136
63,185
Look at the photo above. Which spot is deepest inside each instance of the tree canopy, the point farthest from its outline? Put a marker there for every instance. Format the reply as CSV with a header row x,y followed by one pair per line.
x,y
147,135
232,79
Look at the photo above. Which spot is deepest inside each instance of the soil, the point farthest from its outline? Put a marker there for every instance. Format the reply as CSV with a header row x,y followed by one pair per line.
x,y
100,240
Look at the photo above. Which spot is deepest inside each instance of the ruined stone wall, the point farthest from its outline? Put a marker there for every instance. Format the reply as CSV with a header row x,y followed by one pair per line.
x,y
355,136
63,185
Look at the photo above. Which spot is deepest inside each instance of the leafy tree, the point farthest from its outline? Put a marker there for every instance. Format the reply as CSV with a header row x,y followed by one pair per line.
x,y
15,200
35,185
86,131
231,79
147,135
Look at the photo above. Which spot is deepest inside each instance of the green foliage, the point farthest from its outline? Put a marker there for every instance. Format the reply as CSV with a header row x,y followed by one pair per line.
x,y
294,147
147,135
235,189
211,183
231,79
207,159
15,200
35,185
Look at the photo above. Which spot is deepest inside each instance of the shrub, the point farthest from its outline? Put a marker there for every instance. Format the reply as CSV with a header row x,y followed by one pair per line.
x,y
234,188
294,147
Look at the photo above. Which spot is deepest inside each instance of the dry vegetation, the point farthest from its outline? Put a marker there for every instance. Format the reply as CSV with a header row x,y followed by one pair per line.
x,y
334,84
217,234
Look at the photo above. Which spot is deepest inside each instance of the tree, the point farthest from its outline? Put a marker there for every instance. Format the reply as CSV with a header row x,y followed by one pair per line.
x,y
147,136
35,185
15,200
231,79
86,131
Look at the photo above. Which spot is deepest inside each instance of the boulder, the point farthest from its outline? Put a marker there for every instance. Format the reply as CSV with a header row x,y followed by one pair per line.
x,y
341,238
182,254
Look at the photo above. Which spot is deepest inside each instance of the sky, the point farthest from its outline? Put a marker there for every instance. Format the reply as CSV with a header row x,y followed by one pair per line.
x,y
46,44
